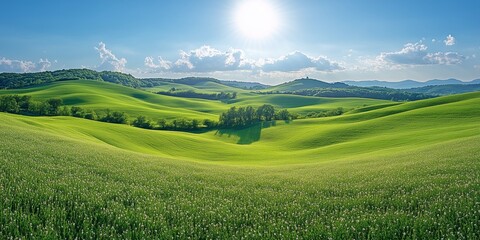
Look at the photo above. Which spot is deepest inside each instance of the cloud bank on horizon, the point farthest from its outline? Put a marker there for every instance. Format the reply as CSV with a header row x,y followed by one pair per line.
x,y
24,66
207,59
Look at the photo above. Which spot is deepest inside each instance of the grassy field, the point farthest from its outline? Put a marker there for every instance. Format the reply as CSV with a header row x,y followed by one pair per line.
x,y
389,171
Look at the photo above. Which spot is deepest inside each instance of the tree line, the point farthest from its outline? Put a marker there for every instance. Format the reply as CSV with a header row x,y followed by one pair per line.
x,y
181,124
326,113
361,92
54,107
25,105
18,80
193,94
235,117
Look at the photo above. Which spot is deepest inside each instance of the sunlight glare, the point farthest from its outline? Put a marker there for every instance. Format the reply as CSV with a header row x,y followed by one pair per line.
x,y
257,19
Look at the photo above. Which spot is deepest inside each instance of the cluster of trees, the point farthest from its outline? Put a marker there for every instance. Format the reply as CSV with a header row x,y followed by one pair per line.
x,y
328,113
115,117
245,116
181,124
361,92
233,118
193,94
17,80
54,107
82,113
25,105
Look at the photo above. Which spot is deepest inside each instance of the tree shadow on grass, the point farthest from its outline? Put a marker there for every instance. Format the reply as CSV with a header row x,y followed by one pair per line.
x,y
246,135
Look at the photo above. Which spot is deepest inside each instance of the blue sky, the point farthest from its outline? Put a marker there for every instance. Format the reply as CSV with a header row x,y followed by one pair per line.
x,y
328,40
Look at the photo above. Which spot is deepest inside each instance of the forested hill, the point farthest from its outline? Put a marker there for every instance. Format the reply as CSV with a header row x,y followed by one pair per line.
x,y
305,83
358,92
446,89
191,81
18,80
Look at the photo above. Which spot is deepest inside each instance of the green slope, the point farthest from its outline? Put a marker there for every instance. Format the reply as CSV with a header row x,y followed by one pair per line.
x,y
101,95
304,83
201,87
97,95
400,127
305,104
405,171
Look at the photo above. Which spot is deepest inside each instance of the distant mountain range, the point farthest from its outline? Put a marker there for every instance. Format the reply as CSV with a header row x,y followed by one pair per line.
x,y
346,88
407,83
445,89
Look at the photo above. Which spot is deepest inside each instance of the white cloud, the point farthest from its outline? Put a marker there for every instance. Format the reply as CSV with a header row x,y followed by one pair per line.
x,y
109,61
9,65
208,59
162,64
450,41
297,61
417,54
203,59
43,65
445,58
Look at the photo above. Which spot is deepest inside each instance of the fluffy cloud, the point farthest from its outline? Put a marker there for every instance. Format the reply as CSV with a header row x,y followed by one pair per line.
x,y
109,61
162,64
43,65
450,41
203,59
208,59
297,61
417,54
8,65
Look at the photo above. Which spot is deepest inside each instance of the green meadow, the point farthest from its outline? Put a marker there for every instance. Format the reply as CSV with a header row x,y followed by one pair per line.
x,y
96,95
382,170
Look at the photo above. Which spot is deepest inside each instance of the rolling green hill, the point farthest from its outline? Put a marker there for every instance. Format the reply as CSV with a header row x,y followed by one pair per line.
x,y
304,83
299,141
312,87
203,85
386,172
96,95
19,80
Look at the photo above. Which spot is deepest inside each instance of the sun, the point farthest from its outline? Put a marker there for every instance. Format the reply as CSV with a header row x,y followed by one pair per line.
x,y
256,19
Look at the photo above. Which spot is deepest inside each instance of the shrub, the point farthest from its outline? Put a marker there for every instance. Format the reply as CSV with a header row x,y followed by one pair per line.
x,y
142,122
115,117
